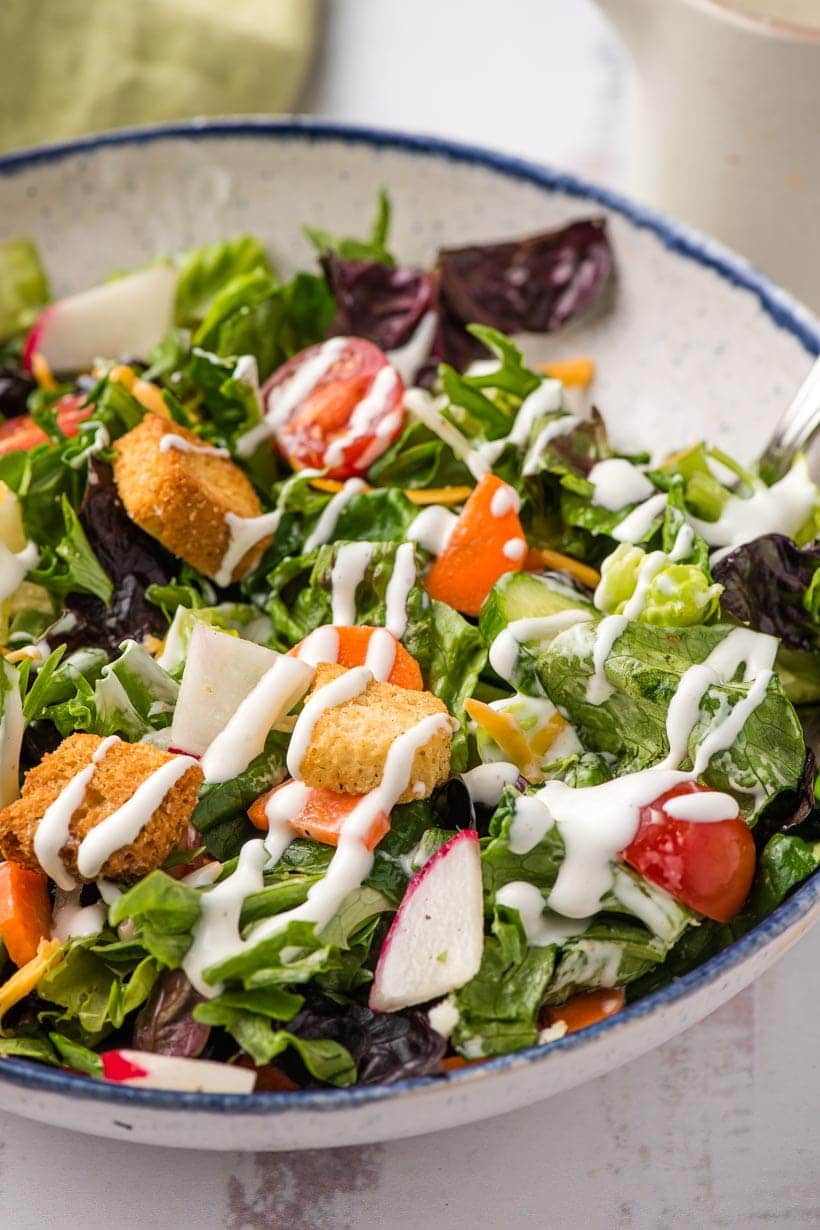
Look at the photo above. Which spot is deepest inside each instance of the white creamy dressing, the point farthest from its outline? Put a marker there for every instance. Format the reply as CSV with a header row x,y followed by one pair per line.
x,y
609,629
415,352
433,528
381,654
101,440
541,927
321,646
561,426
780,509
71,920
486,782
443,1017
427,409
216,934
172,443
284,399
344,688
244,533
125,824
398,590
349,567
325,527
53,831
203,876
505,648
243,737
13,567
618,483
756,652
702,807
637,524
505,499
514,549
370,409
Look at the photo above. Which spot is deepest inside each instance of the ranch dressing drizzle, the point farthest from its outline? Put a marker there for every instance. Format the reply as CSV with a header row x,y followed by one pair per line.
x,y
702,807
486,782
609,629
13,567
779,509
178,444
514,549
352,683
540,927
505,499
243,738
637,524
125,824
321,646
53,831
407,359
244,533
505,648
381,654
284,399
71,920
617,483
216,933
561,426
372,406
432,528
349,568
284,805
427,410
325,527
398,590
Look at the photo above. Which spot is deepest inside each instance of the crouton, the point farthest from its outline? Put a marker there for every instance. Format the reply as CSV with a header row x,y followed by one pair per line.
x,y
183,498
123,768
349,743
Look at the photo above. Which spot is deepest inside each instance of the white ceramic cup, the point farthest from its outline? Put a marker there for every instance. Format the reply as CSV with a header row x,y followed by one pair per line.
x,y
725,130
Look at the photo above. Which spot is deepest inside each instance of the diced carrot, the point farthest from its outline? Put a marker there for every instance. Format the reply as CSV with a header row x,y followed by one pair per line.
x,y
541,559
453,1062
578,372
506,732
482,547
25,911
42,373
354,641
322,817
584,1010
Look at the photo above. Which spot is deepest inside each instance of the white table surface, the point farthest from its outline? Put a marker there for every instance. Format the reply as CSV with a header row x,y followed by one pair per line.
x,y
718,1128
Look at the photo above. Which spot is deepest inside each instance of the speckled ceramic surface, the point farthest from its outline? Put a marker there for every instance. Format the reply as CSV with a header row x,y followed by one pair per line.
x,y
694,343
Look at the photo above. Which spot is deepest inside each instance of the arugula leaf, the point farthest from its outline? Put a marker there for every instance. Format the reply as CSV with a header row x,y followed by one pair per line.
x,y
419,459
205,271
71,565
96,995
75,1056
164,912
374,248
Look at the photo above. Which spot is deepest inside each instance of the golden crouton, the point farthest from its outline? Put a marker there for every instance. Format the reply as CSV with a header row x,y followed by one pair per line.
x,y
123,768
349,743
182,498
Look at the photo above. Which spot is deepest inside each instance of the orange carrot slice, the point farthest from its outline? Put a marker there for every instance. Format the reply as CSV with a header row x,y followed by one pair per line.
x,y
578,372
485,544
584,1010
25,911
322,817
354,641
541,559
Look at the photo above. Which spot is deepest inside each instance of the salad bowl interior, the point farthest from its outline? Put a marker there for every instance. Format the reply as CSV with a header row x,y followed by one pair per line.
x,y
691,344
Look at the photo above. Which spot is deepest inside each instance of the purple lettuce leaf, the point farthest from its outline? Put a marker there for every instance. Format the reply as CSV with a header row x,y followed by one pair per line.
x,y
165,1023
375,301
765,583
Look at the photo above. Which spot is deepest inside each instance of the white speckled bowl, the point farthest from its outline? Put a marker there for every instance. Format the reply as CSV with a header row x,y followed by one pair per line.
x,y
697,344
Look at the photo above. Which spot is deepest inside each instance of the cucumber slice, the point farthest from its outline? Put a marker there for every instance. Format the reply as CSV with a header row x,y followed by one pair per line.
x,y
527,595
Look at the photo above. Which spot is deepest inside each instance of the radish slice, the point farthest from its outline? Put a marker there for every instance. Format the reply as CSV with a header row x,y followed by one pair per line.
x,y
145,1070
437,937
125,317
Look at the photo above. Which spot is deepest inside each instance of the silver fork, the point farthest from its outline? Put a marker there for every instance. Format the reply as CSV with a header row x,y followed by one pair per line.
x,y
795,430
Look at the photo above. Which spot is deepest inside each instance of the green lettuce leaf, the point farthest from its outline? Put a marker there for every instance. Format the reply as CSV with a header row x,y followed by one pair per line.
x,y
205,271
374,248
23,285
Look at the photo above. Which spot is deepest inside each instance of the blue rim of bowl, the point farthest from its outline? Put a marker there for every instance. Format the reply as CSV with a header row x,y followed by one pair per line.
x,y
783,310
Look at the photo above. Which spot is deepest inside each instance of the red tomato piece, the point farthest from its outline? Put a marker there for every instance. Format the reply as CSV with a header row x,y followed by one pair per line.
x,y
706,865
22,433
346,417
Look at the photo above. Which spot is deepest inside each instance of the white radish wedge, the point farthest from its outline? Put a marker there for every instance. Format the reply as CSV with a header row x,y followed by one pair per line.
x,y
145,1070
436,940
117,319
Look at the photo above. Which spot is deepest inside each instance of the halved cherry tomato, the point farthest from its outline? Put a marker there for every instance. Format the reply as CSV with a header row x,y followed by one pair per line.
x,y
707,865
584,1010
22,433
346,418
